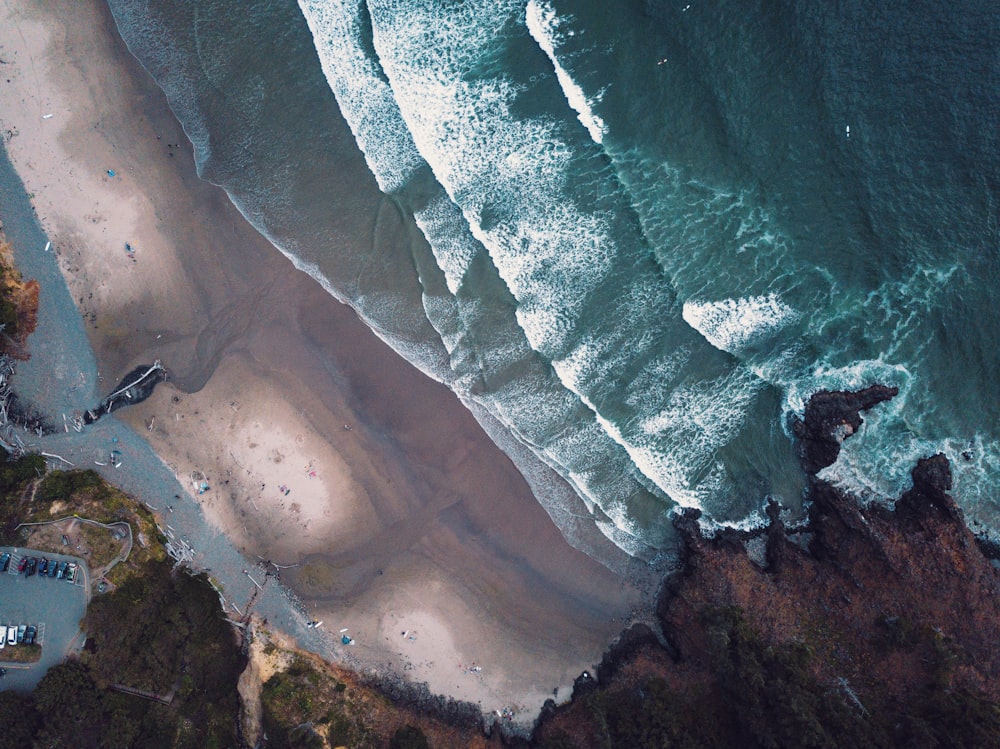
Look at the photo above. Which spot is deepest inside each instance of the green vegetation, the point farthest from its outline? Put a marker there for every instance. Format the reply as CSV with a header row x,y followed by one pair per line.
x,y
8,315
302,705
18,304
69,709
156,624
14,476
10,285
63,484
409,737
19,718
160,631
22,653
26,498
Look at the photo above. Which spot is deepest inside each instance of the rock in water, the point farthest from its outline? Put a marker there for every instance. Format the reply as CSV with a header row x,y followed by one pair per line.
x,y
830,418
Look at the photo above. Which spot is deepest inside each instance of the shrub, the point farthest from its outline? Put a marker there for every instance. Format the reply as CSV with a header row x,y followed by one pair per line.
x,y
408,737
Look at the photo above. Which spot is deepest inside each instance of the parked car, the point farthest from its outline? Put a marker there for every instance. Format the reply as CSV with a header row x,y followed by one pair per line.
x,y
71,572
29,634
32,566
53,566
43,565
62,570
12,635
4,561
20,633
22,564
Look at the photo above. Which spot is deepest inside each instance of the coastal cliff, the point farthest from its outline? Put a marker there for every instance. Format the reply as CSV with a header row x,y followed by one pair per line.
x,y
866,626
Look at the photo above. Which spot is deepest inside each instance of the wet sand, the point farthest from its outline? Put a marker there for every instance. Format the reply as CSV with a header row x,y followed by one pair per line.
x,y
320,447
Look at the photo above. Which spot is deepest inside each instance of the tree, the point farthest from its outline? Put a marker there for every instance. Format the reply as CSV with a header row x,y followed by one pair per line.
x,y
408,737
70,704
19,718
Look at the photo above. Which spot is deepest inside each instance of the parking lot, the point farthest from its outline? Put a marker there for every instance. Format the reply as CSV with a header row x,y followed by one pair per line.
x,y
54,606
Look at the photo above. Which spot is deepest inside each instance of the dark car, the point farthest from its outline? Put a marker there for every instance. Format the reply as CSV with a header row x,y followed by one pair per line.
x,y
4,561
62,570
32,566
53,567
43,566
22,564
29,635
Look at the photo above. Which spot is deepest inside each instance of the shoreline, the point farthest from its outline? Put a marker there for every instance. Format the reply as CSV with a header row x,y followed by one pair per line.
x,y
320,446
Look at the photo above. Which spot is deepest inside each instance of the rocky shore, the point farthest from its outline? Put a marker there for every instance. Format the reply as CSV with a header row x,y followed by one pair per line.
x,y
861,627
866,626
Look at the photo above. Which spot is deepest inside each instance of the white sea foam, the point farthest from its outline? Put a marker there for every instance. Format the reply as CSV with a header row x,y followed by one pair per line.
x,y
530,405
855,376
509,176
874,465
571,515
733,324
901,306
625,541
543,25
656,380
491,162
365,100
692,411
754,521
975,466
441,222
442,313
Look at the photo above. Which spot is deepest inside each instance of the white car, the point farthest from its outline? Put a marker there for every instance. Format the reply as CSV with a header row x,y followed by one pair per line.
x,y
12,635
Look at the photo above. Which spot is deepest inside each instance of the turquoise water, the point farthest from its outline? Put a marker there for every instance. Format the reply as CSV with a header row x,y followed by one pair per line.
x,y
637,235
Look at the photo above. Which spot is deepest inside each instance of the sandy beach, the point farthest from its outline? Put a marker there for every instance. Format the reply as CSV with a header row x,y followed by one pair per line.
x,y
304,437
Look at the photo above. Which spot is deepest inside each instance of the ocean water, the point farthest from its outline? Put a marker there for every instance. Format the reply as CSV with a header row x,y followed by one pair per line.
x,y
634,237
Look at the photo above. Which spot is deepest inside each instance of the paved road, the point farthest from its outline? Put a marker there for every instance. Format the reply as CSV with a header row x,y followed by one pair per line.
x,y
54,606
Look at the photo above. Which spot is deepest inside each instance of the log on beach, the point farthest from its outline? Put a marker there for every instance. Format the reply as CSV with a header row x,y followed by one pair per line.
x,y
135,387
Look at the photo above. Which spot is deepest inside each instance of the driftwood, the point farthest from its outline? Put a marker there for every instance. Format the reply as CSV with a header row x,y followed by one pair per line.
x,y
9,439
157,367
58,457
136,387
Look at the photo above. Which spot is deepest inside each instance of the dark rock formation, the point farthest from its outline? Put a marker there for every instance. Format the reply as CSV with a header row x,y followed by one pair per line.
x,y
881,631
134,387
931,484
830,418
631,640
421,699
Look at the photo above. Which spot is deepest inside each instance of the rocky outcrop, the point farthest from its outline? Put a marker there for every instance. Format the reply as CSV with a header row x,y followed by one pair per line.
x,y
830,418
631,641
135,387
249,687
869,626
864,572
